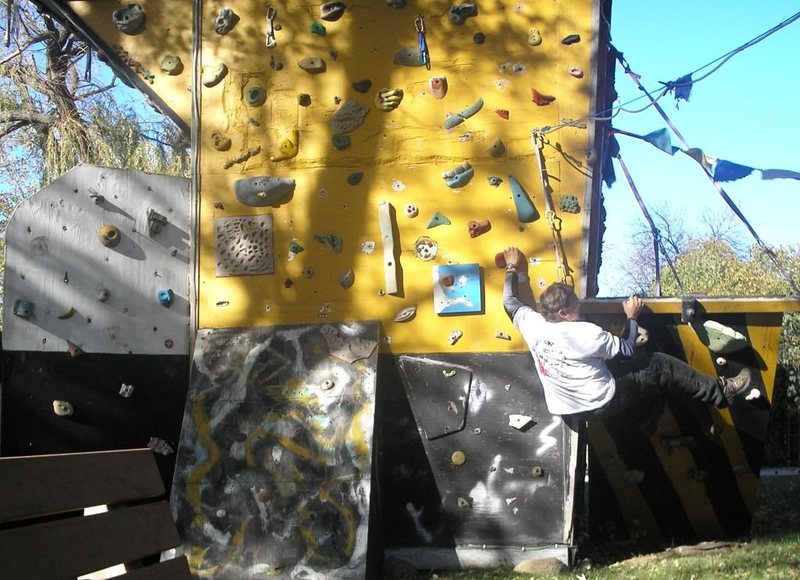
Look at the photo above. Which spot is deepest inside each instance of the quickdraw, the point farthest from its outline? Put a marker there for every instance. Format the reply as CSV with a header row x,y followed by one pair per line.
x,y
422,44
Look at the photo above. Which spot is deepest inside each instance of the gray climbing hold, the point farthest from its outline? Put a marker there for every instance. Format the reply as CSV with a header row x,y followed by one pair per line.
x,y
349,117
346,279
340,142
407,57
333,241
225,21
362,86
264,191
406,314
23,308
459,13
355,178
171,65
129,19
213,74
332,11
312,64
494,181
498,149
255,96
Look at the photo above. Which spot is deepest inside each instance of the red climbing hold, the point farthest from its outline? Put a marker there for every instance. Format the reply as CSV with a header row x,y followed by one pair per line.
x,y
540,99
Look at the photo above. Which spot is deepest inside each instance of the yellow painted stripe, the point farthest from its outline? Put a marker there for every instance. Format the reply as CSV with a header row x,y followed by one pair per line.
x,y
682,471
633,505
701,359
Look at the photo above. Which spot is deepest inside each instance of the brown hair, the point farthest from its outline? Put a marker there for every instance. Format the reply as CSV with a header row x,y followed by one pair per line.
x,y
556,298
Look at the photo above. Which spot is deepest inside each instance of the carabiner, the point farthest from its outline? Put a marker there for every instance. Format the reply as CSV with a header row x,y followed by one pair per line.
x,y
271,14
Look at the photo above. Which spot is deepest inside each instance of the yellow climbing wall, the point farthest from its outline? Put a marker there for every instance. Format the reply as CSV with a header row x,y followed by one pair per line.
x,y
402,154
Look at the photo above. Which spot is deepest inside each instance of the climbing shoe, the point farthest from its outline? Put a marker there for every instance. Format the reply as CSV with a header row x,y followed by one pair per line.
x,y
735,386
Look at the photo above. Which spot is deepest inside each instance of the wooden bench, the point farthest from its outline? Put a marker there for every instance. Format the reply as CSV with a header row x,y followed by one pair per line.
x,y
44,534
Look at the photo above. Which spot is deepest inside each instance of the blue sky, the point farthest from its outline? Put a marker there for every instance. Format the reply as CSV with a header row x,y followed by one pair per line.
x,y
747,112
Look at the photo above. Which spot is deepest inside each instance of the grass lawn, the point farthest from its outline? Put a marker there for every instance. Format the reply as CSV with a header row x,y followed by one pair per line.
x,y
773,551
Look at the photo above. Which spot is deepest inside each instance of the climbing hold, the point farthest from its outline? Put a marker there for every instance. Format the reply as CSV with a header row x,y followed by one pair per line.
x,y
126,390
447,281
129,19
537,471
212,74
526,212
334,242
348,117
294,249
220,142
171,65
576,71
498,148
438,86
500,334
346,279
362,86
340,142
425,248
155,222
534,37
312,64
398,185
226,20
255,96
459,176
68,314
355,178
453,119
540,99
165,297
396,3
407,57
454,336
494,181
438,219
458,13
479,38
304,99
449,373
463,503
476,228
274,63
569,204
109,235
571,39
103,295
160,446
503,113
368,247
520,422
308,272
23,308
288,147
332,11
317,28
243,156
63,408
328,384
263,191
406,314
388,99
411,210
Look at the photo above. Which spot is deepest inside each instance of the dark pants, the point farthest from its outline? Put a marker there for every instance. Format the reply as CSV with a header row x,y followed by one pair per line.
x,y
650,375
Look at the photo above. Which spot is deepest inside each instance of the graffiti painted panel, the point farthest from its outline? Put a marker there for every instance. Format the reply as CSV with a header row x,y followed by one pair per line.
x,y
274,463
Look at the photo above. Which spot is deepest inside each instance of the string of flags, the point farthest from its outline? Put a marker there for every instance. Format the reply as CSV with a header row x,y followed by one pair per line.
x,y
719,169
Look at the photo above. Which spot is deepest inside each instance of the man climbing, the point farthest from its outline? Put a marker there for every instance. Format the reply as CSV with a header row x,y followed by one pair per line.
x,y
586,371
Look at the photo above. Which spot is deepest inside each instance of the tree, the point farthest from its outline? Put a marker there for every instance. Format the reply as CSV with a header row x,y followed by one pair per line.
x,y
60,107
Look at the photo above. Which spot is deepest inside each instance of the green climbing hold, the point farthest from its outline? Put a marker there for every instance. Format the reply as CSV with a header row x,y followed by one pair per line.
x,y
438,219
569,204
341,142
317,28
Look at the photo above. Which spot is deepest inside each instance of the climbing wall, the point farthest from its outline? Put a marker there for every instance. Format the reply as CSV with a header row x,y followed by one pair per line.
x,y
96,315
677,470
98,262
274,468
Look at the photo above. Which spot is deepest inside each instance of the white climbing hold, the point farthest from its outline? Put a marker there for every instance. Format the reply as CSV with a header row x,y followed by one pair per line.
x,y
520,421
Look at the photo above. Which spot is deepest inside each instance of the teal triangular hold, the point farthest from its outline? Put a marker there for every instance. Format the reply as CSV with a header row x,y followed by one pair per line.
x,y
526,212
438,219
